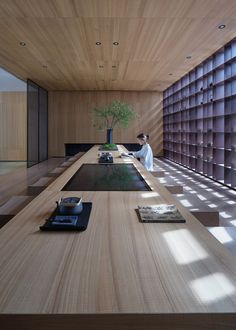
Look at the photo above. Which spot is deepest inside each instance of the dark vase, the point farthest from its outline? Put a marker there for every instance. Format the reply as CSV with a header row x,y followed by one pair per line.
x,y
109,135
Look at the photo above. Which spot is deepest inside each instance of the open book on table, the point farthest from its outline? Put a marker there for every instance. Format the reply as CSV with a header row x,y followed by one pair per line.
x,y
160,213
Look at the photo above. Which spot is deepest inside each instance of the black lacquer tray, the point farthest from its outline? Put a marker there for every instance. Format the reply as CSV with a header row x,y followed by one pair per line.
x,y
104,161
64,222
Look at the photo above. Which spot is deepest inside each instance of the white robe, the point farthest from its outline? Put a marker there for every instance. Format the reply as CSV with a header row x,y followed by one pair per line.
x,y
146,156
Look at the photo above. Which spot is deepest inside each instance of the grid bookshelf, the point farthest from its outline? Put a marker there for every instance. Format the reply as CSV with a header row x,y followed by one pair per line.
x,y
199,117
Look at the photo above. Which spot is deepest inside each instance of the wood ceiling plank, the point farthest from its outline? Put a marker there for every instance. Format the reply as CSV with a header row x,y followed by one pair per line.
x,y
121,8
154,39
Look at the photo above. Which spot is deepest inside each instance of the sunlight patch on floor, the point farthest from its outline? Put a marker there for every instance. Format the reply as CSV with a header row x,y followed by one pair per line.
x,y
217,194
225,215
185,203
221,234
231,202
202,198
212,205
188,188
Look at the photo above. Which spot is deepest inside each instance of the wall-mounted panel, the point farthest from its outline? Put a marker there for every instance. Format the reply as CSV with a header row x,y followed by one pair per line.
x,y
70,119
13,126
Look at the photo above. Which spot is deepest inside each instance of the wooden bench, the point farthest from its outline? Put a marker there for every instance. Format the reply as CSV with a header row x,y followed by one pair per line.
x,y
207,218
225,235
5,218
37,187
66,164
177,189
56,172
158,174
73,159
61,168
14,205
79,154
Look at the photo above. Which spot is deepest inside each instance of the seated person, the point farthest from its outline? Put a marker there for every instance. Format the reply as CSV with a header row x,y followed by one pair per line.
x,y
145,154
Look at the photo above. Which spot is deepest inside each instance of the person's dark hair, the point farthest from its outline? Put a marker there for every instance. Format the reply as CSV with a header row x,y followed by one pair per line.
x,y
143,136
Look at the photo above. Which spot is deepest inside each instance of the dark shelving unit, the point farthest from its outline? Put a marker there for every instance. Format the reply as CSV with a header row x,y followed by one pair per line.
x,y
199,117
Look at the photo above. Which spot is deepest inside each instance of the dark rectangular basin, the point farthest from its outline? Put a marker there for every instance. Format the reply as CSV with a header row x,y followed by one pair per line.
x,y
107,177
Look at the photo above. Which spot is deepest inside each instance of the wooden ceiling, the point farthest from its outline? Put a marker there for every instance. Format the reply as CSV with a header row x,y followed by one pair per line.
x,y
154,36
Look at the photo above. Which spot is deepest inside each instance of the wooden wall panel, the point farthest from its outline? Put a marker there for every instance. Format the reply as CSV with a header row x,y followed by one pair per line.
x,y
13,126
70,119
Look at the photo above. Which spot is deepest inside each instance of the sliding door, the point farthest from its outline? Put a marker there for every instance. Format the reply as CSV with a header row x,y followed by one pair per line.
x,y
37,124
43,124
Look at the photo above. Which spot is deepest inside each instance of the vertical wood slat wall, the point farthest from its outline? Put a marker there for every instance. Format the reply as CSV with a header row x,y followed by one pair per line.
x,y
199,118
13,126
70,118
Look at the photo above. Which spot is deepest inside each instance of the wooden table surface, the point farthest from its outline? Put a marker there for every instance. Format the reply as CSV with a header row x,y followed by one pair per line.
x,y
119,273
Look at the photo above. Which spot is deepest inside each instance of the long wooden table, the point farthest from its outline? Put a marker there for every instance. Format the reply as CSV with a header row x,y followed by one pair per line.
x,y
119,273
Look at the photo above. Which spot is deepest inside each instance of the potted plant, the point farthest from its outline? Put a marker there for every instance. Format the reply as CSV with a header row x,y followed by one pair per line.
x,y
116,113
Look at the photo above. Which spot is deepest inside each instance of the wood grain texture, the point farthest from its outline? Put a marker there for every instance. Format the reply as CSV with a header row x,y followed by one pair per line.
x,y
70,119
154,36
119,273
14,205
119,322
13,126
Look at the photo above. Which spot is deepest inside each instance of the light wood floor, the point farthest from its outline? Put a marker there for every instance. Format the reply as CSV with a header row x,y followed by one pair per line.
x,y
9,167
17,182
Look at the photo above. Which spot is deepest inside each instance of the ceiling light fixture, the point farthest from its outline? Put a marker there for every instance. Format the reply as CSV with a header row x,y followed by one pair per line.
x,y
221,26
98,43
22,43
115,43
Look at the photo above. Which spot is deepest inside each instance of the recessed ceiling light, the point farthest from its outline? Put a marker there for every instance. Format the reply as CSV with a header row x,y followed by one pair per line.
x,y
115,43
221,26
22,43
188,57
98,43
101,66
